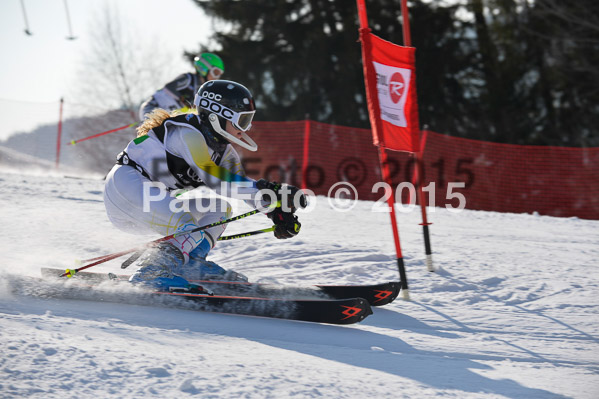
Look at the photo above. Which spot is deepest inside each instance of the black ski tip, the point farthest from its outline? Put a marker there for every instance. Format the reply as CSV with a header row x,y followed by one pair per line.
x,y
376,294
354,313
386,296
367,309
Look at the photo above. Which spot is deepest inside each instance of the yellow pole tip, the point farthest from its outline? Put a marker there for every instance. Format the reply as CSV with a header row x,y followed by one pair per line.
x,y
70,273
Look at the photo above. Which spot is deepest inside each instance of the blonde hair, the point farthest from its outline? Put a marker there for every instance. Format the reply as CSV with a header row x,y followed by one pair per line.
x,y
156,117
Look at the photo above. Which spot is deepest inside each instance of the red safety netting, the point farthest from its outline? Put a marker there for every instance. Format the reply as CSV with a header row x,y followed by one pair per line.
x,y
557,181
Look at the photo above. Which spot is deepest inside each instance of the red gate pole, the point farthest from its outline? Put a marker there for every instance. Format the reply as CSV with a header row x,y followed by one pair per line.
x,y
373,97
59,135
418,156
306,153
391,203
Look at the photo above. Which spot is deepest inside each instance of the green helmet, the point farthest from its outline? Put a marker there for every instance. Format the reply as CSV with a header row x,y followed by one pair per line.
x,y
208,62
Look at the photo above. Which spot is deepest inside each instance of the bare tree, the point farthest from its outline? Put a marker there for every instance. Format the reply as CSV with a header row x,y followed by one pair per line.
x,y
123,66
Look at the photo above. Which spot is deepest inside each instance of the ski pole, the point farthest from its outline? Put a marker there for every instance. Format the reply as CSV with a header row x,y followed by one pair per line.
x,y
137,254
140,251
96,261
143,247
73,142
247,234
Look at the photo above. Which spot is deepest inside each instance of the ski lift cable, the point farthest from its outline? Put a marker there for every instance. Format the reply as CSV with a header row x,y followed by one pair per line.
x,y
12,100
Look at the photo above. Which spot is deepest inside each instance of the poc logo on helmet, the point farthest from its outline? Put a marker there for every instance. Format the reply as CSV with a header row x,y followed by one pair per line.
x,y
212,96
216,107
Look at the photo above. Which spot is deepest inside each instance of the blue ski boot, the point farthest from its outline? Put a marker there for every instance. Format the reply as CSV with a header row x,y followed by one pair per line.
x,y
198,268
157,269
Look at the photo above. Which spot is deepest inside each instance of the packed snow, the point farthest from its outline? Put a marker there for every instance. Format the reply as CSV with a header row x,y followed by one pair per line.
x,y
511,312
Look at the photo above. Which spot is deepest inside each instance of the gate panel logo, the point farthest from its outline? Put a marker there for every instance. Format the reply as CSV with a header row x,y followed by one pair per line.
x,y
396,87
393,86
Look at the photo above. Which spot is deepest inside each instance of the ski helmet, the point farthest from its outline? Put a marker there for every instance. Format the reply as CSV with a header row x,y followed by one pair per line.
x,y
206,63
219,101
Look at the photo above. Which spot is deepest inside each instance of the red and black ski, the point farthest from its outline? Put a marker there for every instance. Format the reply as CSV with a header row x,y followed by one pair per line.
x,y
319,310
376,294
331,311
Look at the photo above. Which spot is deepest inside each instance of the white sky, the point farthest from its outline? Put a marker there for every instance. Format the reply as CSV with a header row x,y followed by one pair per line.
x,y
36,71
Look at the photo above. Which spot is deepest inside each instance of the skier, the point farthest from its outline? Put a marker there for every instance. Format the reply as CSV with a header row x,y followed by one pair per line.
x,y
179,93
186,151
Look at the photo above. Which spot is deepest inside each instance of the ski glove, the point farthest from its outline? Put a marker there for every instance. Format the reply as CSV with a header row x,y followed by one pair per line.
x,y
286,223
290,197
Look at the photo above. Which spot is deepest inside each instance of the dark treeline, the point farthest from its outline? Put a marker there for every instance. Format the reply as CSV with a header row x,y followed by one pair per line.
x,y
510,71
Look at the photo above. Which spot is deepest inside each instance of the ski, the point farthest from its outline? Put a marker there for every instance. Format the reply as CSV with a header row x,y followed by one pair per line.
x,y
376,294
318,310
336,311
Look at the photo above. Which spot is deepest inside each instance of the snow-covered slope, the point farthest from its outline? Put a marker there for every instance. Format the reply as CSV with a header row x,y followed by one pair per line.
x,y
512,312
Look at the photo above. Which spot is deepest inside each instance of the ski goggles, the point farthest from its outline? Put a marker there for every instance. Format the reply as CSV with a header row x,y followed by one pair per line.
x,y
206,68
240,120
